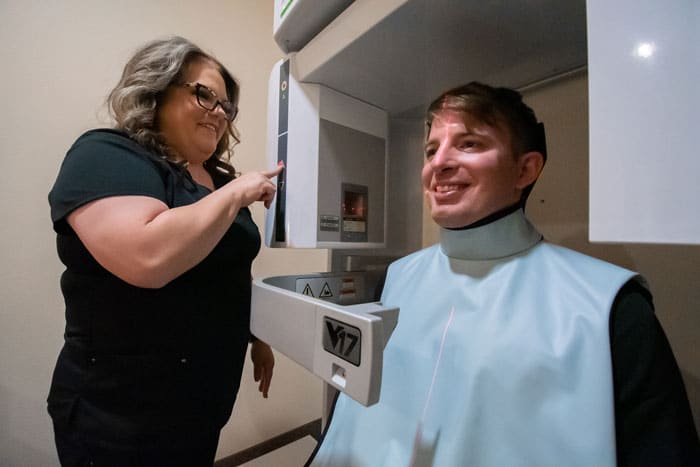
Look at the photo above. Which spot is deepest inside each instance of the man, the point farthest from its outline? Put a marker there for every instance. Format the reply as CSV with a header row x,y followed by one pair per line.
x,y
509,350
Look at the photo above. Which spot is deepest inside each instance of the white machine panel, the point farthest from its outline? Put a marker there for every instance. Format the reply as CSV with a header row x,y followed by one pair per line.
x,y
332,193
643,74
298,21
342,344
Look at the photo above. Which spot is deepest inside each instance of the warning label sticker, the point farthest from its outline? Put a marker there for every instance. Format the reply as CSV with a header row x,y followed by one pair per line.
x,y
325,291
343,288
327,288
307,290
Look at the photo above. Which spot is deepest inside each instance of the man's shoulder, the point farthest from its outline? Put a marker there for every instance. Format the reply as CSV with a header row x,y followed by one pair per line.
x,y
571,256
573,264
415,258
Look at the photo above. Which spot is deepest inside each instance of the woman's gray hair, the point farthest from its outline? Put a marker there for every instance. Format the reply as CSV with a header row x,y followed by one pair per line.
x,y
134,102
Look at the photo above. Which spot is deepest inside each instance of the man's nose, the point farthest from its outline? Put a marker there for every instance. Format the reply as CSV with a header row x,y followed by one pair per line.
x,y
443,158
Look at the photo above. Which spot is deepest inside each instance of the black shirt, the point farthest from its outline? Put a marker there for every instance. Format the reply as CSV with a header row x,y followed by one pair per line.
x,y
140,363
653,420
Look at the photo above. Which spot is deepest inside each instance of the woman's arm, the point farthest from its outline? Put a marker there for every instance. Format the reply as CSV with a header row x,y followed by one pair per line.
x,y
145,243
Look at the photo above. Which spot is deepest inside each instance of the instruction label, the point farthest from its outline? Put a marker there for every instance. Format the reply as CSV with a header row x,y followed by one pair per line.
x,y
329,223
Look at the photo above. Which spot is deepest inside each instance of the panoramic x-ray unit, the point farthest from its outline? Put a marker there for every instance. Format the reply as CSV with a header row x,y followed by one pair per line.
x,y
332,194
346,116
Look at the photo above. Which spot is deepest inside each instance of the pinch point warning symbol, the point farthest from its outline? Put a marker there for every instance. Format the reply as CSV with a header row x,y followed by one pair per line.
x,y
325,291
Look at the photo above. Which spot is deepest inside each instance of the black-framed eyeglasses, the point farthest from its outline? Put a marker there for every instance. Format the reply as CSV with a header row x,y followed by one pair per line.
x,y
208,100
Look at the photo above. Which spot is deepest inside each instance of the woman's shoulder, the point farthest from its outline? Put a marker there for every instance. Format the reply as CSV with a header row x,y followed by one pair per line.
x,y
106,162
114,146
104,133
108,137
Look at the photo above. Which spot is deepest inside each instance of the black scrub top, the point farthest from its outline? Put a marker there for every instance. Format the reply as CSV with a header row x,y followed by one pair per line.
x,y
139,364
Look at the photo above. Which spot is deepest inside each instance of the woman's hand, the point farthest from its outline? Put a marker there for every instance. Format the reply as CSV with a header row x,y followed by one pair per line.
x,y
263,363
256,186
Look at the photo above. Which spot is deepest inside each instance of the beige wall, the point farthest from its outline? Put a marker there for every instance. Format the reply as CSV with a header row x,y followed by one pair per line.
x,y
559,207
59,61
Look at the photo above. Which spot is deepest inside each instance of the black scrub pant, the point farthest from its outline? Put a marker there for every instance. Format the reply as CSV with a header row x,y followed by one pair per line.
x,y
76,451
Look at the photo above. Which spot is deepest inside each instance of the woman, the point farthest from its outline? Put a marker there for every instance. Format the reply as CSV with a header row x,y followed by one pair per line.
x,y
157,238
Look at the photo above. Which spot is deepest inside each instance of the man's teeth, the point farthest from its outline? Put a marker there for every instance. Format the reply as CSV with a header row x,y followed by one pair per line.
x,y
446,188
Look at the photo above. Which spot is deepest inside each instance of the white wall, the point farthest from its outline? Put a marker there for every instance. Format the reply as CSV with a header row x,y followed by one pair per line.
x,y
643,78
558,205
59,61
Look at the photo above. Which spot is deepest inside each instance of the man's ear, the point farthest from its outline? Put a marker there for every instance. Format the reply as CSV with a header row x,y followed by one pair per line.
x,y
530,164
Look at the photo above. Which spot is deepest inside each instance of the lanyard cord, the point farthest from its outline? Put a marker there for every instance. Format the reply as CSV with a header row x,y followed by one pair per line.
x,y
419,429
437,365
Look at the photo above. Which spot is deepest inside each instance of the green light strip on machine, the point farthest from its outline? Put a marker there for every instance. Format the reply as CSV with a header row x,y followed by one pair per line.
x,y
286,7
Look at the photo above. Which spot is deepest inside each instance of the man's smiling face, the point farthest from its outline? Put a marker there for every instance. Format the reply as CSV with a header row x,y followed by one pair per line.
x,y
470,170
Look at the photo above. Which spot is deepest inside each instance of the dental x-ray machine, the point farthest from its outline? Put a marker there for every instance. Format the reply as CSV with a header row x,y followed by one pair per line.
x,y
346,116
332,194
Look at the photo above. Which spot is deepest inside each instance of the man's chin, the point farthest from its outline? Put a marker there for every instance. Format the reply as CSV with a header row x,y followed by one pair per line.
x,y
447,221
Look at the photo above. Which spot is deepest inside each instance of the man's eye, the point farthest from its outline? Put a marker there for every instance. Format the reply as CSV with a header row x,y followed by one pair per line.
x,y
429,153
469,144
